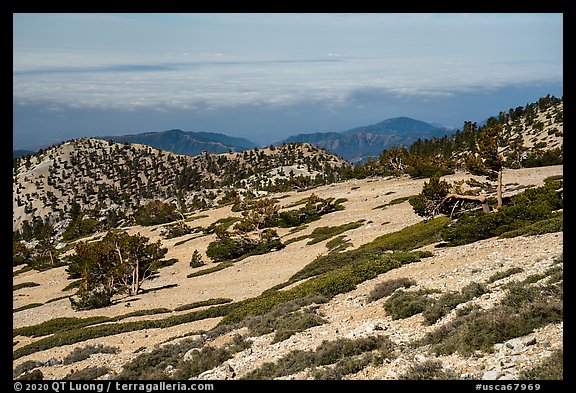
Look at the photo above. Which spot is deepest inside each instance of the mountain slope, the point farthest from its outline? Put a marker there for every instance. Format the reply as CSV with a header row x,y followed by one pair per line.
x,y
349,315
190,143
402,125
359,143
105,177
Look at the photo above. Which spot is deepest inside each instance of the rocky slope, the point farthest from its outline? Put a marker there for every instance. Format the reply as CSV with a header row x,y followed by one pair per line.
x,y
347,315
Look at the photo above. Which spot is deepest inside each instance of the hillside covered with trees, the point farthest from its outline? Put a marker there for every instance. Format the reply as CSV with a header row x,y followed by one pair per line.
x,y
107,182
528,136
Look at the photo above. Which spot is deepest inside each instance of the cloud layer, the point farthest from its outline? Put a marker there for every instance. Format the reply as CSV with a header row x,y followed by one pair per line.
x,y
241,68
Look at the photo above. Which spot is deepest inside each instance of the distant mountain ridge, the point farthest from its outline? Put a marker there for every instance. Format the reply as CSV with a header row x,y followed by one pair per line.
x,y
186,142
357,144
21,153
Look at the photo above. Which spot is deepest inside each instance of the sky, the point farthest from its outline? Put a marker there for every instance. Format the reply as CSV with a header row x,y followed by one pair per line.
x,y
265,77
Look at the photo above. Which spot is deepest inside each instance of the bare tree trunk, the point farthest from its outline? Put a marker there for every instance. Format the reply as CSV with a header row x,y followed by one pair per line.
x,y
136,278
480,198
499,190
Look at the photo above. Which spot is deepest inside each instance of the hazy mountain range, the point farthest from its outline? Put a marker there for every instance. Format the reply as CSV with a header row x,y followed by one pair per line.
x,y
187,142
357,144
353,145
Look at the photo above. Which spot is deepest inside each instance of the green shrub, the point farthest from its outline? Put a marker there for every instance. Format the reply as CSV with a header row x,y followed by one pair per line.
x,y
95,298
205,359
503,274
338,244
73,285
328,352
314,208
533,206
150,365
24,285
35,375
324,233
87,374
156,212
75,335
329,284
203,303
26,366
343,367
196,260
549,369
448,301
228,248
222,224
403,304
27,306
414,236
82,353
220,266
552,224
295,322
429,369
521,311
57,325
177,231
387,287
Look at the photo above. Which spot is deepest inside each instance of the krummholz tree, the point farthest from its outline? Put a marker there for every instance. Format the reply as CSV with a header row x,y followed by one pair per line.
x,y
487,162
119,263
488,148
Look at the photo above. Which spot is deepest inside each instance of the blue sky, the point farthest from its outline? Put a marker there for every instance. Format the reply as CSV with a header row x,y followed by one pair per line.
x,y
267,76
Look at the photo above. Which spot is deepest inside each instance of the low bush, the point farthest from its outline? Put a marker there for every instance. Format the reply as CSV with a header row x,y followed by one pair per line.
x,y
338,244
295,322
196,260
209,357
87,374
328,352
79,334
448,301
57,325
414,236
24,285
522,214
552,224
177,231
203,303
34,375
328,284
430,369
324,233
82,353
549,369
151,365
343,367
229,248
388,287
523,309
156,212
504,274
220,266
404,304
95,298
26,366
